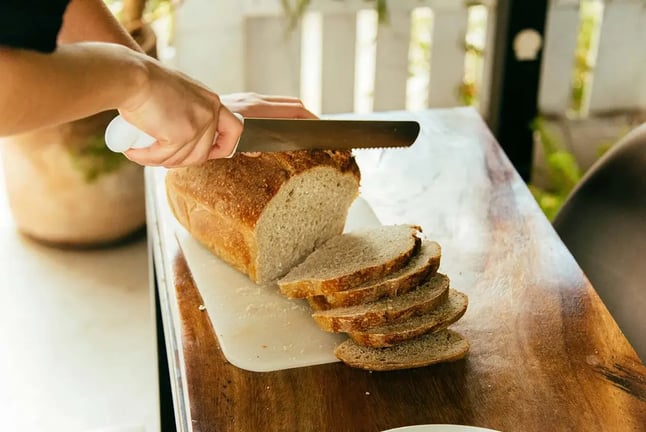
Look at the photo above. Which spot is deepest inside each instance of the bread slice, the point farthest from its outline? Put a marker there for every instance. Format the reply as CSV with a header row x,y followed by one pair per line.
x,y
263,215
443,346
350,259
360,317
424,264
437,319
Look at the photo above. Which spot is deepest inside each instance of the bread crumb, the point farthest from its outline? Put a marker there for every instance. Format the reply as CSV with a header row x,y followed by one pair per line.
x,y
367,393
201,307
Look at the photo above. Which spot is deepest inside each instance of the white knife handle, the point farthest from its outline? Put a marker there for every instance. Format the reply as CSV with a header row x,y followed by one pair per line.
x,y
121,136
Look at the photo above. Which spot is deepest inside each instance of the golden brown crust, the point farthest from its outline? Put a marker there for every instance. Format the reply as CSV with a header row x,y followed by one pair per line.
x,y
372,318
220,201
229,240
380,340
241,187
458,350
388,288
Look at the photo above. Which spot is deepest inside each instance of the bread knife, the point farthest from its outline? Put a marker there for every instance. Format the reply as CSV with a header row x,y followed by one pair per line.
x,y
277,135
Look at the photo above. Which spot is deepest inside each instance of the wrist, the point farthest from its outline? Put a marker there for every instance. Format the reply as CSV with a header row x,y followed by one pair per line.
x,y
137,81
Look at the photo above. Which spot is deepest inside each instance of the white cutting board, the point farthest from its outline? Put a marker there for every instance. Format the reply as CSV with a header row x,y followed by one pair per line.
x,y
257,327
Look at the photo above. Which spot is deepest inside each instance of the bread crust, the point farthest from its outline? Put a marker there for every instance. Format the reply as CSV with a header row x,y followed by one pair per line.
x,y
435,322
348,320
221,201
389,287
305,288
383,359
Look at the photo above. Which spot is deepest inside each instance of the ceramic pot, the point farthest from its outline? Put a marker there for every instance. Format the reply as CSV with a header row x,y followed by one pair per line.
x,y
65,188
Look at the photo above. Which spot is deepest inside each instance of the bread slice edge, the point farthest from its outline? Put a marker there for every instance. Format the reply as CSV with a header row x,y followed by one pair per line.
x,y
443,346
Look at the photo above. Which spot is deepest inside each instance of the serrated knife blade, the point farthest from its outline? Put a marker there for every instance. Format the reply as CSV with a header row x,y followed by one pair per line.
x,y
278,135
274,135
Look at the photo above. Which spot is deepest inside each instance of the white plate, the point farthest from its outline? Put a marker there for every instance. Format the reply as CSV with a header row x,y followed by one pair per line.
x,y
258,328
439,428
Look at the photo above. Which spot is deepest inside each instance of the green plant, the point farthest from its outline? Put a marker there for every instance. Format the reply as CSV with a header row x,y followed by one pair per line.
x,y
562,169
590,21
94,159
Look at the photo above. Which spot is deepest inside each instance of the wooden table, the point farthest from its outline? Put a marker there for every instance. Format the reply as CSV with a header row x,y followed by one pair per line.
x,y
545,353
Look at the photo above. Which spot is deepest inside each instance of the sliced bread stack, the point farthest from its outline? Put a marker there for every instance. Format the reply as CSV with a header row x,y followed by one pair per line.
x,y
381,287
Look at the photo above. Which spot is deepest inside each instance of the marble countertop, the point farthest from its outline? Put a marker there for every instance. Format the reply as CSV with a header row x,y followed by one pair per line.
x,y
77,346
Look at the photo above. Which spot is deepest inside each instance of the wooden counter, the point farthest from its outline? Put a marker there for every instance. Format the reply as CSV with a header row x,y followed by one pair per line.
x,y
545,353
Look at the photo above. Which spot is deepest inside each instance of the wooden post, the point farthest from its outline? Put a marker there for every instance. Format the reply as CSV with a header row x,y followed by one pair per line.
x,y
515,78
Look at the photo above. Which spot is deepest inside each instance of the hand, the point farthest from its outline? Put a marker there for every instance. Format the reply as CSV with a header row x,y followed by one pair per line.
x,y
188,120
256,105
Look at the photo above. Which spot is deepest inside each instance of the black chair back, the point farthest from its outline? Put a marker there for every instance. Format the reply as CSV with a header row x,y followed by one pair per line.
x,y
603,224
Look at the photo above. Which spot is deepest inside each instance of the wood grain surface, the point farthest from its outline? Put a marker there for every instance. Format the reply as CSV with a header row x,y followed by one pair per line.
x,y
545,353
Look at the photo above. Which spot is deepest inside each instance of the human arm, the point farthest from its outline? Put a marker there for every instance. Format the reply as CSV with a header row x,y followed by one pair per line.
x,y
41,90
46,89
80,79
91,20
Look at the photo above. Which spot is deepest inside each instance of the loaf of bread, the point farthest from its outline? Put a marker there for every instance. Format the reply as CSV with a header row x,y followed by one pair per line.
x,y
263,215
279,217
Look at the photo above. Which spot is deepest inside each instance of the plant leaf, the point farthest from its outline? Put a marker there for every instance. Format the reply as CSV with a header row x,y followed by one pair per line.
x,y
564,170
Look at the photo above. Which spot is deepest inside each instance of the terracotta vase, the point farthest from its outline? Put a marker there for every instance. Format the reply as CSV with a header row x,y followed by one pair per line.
x,y
65,188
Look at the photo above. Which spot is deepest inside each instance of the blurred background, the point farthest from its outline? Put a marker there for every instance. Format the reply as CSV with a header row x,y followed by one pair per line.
x,y
559,82
363,55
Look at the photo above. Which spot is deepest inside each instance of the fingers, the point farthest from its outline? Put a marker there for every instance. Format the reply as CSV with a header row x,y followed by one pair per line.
x,y
155,155
269,106
291,110
286,99
197,153
280,110
206,129
217,141
228,133
290,105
